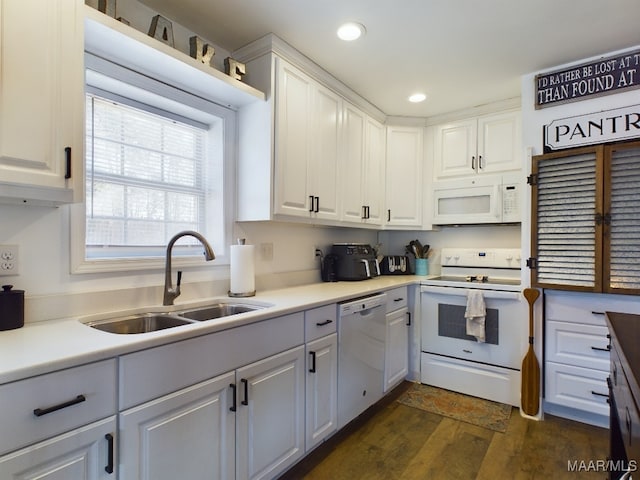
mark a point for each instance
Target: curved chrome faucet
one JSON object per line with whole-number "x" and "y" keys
{"x": 171, "y": 293}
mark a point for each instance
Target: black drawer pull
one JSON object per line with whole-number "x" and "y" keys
{"x": 408, "y": 324}
{"x": 322, "y": 324}
{"x": 234, "y": 397}
{"x": 67, "y": 157}
{"x": 109, "y": 467}
{"x": 398, "y": 299}
{"x": 313, "y": 362}
{"x": 596, "y": 313}
{"x": 600, "y": 349}
{"x": 597, "y": 394}
{"x": 38, "y": 412}
{"x": 245, "y": 382}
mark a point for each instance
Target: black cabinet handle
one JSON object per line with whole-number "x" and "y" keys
{"x": 234, "y": 397}
{"x": 408, "y": 319}
{"x": 322, "y": 324}
{"x": 109, "y": 467}
{"x": 245, "y": 382}
{"x": 317, "y": 209}
{"x": 67, "y": 157}
{"x": 480, "y": 162}
{"x": 597, "y": 313}
{"x": 368, "y": 214}
{"x": 388, "y": 215}
{"x": 600, "y": 349}
{"x": 598, "y": 394}
{"x": 473, "y": 162}
{"x": 38, "y": 412}
{"x": 313, "y": 362}
{"x": 311, "y": 197}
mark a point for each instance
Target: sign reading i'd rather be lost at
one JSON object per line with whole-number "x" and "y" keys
{"x": 593, "y": 128}
{"x": 600, "y": 77}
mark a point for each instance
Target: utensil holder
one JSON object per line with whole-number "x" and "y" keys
{"x": 422, "y": 266}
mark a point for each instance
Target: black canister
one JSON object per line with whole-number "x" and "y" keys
{"x": 11, "y": 308}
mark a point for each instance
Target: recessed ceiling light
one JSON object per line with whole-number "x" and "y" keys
{"x": 417, "y": 98}
{"x": 351, "y": 31}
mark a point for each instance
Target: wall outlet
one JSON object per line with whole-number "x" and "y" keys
{"x": 9, "y": 260}
{"x": 266, "y": 252}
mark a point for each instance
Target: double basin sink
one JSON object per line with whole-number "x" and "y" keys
{"x": 152, "y": 322}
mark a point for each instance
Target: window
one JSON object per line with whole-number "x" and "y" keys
{"x": 156, "y": 161}
{"x": 585, "y": 222}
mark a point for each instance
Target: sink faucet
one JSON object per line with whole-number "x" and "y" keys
{"x": 171, "y": 293}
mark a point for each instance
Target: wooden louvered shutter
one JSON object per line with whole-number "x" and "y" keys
{"x": 622, "y": 226}
{"x": 566, "y": 238}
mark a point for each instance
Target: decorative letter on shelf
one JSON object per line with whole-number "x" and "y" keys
{"x": 162, "y": 30}
{"x": 200, "y": 50}
{"x": 234, "y": 69}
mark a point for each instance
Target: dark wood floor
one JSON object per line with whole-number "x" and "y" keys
{"x": 392, "y": 441}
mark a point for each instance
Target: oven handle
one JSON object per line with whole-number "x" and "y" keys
{"x": 462, "y": 292}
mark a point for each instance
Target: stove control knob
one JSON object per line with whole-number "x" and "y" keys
{"x": 447, "y": 258}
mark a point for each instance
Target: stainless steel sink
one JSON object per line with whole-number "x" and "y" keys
{"x": 218, "y": 310}
{"x": 142, "y": 323}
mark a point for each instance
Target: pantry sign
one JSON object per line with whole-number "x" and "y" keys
{"x": 600, "y": 77}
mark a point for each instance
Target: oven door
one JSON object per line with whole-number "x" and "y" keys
{"x": 444, "y": 326}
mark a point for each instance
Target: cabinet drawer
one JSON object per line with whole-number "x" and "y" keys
{"x": 575, "y": 387}
{"x": 319, "y": 322}
{"x": 584, "y": 346}
{"x": 41, "y": 407}
{"x": 161, "y": 370}
{"x": 587, "y": 308}
{"x": 396, "y": 299}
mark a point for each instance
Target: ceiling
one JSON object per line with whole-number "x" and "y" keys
{"x": 461, "y": 53}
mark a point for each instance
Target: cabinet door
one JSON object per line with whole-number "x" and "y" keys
{"x": 82, "y": 454}
{"x": 455, "y": 149}
{"x": 499, "y": 143}
{"x": 292, "y": 141}
{"x": 374, "y": 182}
{"x": 41, "y": 93}
{"x": 353, "y": 165}
{"x": 270, "y": 416}
{"x": 324, "y": 156}
{"x": 322, "y": 389}
{"x": 404, "y": 176}
{"x": 186, "y": 434}
{"x": 396, "y": 350}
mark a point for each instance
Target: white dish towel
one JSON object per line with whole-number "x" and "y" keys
{"x": 475, "y": 315}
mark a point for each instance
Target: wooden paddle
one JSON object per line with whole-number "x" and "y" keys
{"x": 530, "y": 388}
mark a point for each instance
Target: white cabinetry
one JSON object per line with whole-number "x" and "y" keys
{"x": 396, "y": 349}
{"x": 362, "y": 167}
{"x": 403, "y": 176}
{"x": 486, "y": 144}
{"x": 41, "y": 101}
{"x": 61, "y": 425}
{"x": 245, "y": 383}
{"x": 577, "y": 353}
{"x": 307, "y": 122}
{"x": 321, "y": 374}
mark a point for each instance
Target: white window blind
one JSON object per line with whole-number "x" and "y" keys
{"x": 566, "y": 208}
{"x": 145, "y": 179}
{"x": 625, "y": 219}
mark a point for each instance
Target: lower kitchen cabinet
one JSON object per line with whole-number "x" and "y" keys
{"x": 186, "y": 434}
{"x": 270, "y": 415}
{"x": 321, "y": 389}
{"x": 86, "y": 453}
{"x": 396, "y": 349}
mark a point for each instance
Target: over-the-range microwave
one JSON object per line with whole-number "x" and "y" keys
{"x": 481, "y": 199}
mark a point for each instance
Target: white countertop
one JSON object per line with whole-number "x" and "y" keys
{"x": 43, "y": 347}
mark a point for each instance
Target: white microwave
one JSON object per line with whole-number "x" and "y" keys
{"x": 482, "y": 199}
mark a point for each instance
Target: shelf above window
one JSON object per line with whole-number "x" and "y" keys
{"x": 122, "y": 44}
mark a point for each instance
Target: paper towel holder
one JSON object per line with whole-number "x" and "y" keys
{"x": 241, "y": 241}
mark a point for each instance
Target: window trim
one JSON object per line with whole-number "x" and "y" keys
{"x": 101, "y": 73}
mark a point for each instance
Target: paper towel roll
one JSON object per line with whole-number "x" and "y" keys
{"x": 243, "y": 282}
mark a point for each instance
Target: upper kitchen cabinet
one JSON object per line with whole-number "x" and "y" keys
{"x": 585, "y": 221}
{"x": 484, "y": 144}
{"x": 293, "y": 147}
{"x": 403, "y": 177}
{"x": 41, "y": 101}
{"x": 362, "y": 167}
{"x": 307, "y": 123}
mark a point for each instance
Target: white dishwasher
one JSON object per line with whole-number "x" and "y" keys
{"x": 361, "y": 340}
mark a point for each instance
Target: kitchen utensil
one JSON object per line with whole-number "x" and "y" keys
{"x": 419, "y": 247}
{"x": 530, "y": 387}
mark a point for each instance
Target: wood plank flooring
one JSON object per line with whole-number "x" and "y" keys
{"x": 392, "y": 441}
